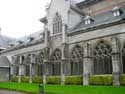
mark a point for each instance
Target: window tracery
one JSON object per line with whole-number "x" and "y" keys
{"x": 77, "y": 61}
{"x": 102, "y": 58}
{"x": 56, "y": 62}
{"x": 57, "y": 24}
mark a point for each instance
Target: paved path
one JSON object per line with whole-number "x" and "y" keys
{"x": 10, "y": 92}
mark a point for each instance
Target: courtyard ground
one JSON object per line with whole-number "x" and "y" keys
{"x": 63, "y": 89}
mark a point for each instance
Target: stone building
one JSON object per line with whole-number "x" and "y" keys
{"x": 79, "y": 39}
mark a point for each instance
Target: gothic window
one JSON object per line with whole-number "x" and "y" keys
{"x": 28, "y": 59}
{"x": 56, "y": 62}
{"x": 77, "y": 61}
{"x": 57, "y": 24}
{"x": 102, "y": 58}
{"x": 123, "y": 58}
{"x": 39, "y": 60}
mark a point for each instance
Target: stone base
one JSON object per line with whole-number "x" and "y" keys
{"x": 85, "y": 79}
{"x": 115, "y": 78}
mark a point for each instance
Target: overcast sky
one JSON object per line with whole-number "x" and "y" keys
{"x": 21, "y": 17}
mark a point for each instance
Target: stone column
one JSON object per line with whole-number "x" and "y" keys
{"x": 115, "y": 61}
{"x": 87, "y": 64}
{"x": 30, "y": 79}
{"x": 62, "y": 71}
{"x": 44, "y": 73}
{"x": 64, "y": 35}
{"x": 19, "y": 72}
{"x": 30, "y": 72}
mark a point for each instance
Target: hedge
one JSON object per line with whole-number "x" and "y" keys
{"x": 100, "y": 80}
{"x": 73, "y": 80}
{"x": 14, "y": 79}
{"x": 53, "y": 80}
{"x": 122, "y": 79}
{"x": 37, "y": 79}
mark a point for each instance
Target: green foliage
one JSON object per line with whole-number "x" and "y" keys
{"x": 100, "y": 80}
{"x": 122, "y": 79}
{"x": 14, "y": 78}
{"x": 53, "y": 80}
{"x": 25, "y": 79}
{"x": 73, "y": 80}
{"x": 37, "y": 79}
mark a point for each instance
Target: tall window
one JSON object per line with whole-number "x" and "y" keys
{"x": 56, "y": 62}
{"x": 39, "y": 60}
{"x": 77, "y": 61}
{"x": 123, "y": 58}
{"x": 102, "y": 58}
{"x": 57, "y": 24}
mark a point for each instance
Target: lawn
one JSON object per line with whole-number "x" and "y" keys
{"x": 79, "y": 89}
{"x": 64, "y": 89}
{"x": 26, "y": 87}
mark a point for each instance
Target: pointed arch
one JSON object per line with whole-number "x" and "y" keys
{"x": 77, "y": 60}
{"x": 39, "y": 58}
{"x": 57, "y": 24}
{"x": 56, "y": 62}
{"x": 102, "y": 58}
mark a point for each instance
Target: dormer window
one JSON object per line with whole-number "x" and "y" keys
{"x": 57, "y": 24}
{"x": 116, "y": 11}
{"x": 88, "y": 20}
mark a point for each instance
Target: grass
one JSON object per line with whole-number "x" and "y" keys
{"x": 79, "y": 89}
{"x": 25, "y": 87}
{"x": 64, "y": 89}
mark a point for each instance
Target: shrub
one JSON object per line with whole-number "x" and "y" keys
{"x": 100, "y": 80}
{"x": 14, "y": 78}
{"x": 73, "y": 80}
{"x": 122, "y": 79}
{"x": 37, "y": 79}
{"x": 25, "y": 79}
{"x": 53, "y": 80}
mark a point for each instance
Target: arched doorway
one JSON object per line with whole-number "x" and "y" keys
{"x": 77, "y": 60}
{"x": 102, "y": 58}
{"x": 56, "y": 62}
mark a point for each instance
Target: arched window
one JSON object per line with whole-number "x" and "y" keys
{"x": 39, "y": 60}
{"x": 56, "y": 62}
{"x": 123, "y": 58}
{"x": 28, "y": 59}
{"x": 102, "y": 58}
{"x": 57, "y": 24}
{"x": 77, "y": 61}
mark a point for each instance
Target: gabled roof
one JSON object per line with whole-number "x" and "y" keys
{"x": 100, "y": 20}
{"x": 86, "y": 3}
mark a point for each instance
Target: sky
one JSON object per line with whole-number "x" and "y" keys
{"x": 21, "y": 17}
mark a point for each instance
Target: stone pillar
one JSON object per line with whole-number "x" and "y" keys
{"x": 30, "y": 72}
{"x": 62, "y": 72}
{"x": 115, "y": 61}
{"x": 31, "y": 66}
{"x": 64, "y": 35}
{"x": 19, "y": 72}
{"x": 44, "y": 73}
{"x": 87, "y": 64}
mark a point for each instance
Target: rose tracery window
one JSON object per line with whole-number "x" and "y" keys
{"x": 57, "y": 24}
{"x": 56, "y": 62}
{"x": 102, "y": 58}
{"x": 77, "y": 61}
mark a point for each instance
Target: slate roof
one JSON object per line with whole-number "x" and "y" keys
{"x": 98, "y": 20}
